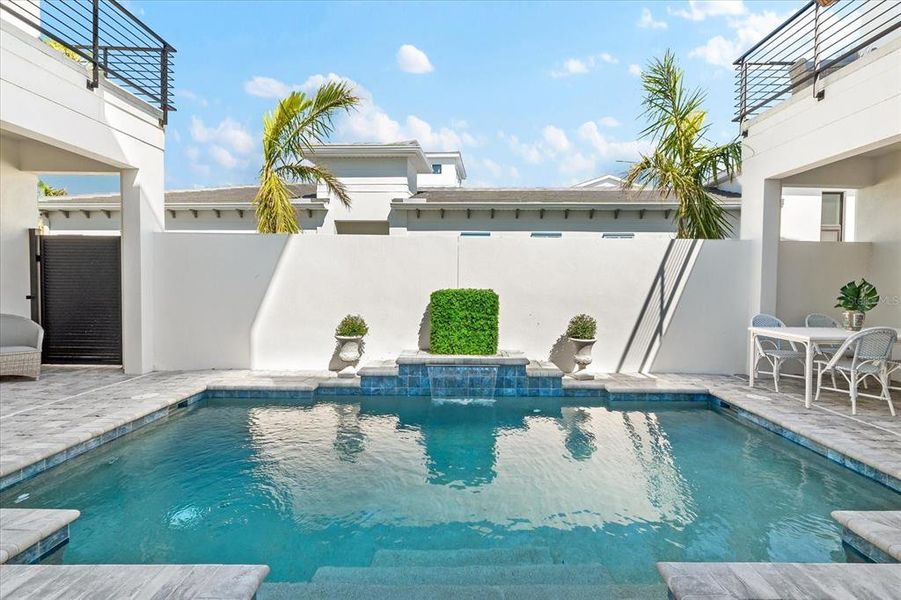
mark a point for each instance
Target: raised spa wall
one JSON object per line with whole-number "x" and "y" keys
{"x": 515, "y": 375}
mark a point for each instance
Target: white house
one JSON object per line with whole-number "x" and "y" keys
{"x": 402, "y": 190}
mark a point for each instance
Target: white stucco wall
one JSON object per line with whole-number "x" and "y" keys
{"x": 18, "y": 214}
{"x": 272, "y": 302}
{"x": 858, "y": 114}
{"x": 879, "y": 222}
{"x": 65, "y": 127}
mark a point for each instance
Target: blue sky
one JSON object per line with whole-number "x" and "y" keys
{"x": 534, "y": 94}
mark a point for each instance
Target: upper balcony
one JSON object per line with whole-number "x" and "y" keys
{"x": 108, "y": 40}
{"x": 813, "y": 43}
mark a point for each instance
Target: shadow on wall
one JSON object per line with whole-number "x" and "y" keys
{"x": 659, "y": 306}
{"x": 336, "y": 363}
{"x": 563, "y": 354}
{"x": 425, "y": 328}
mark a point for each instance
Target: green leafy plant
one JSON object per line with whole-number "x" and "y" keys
{"x": 858, "y": 296}
{"x": 48, "y": 190}
{"x": 464, "y": 321}
{"x": 289, "y": 133}
{"x": 352, "y": 326}
{"x": 582, "y": 327}
{"x": 683, "y": 161}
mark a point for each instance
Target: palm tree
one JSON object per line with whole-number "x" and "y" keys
{"x": 682, "y": 163}
{"x": 48, "y": 190}
{"x": 289, "y": 133}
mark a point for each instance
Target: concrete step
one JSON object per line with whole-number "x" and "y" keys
{"x": 525, "y": 555}
{"x": 352, "y": 591}
{"x": 587, "y": 574}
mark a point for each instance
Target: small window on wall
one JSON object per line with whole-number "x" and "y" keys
{"x": 436, "y": 169}
{"x": 832, "y": 213}
{"x": 475, "y": 234}
{"x": 546, "y": 234}
{"x": 617, "y": 236}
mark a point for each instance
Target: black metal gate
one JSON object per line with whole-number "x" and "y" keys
{"x": 78, "y": 299}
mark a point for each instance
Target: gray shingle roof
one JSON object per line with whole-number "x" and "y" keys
{"x": 553, "y": 195}
{"x": 225, "y": 195}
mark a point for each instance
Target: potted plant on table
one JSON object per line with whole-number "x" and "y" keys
{"x": 581, "y": 332}
{"x": 857, "y": 298}
{"x": 349, "y": 334}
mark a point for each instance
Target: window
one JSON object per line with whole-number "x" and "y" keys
{"x": 610, "y": 235}
{"x": 546, "y": 234}
{"x": 436, "y": 169}
{"x": 832, "y": 209}
{"x": 475, "y": 234}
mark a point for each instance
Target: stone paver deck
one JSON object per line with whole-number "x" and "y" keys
{"x": 874, "y": 533}
{"x": 135, "y": 582}
{"x": 780, "y": 581}
{"x": 41, "y": 425}
{"x": 32, "y": 531}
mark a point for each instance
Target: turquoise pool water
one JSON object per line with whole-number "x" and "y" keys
{"x": 302, "y": 484}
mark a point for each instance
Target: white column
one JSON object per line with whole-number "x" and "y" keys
{"x": 760, "y": 220}
{"x": 143, "y": 214}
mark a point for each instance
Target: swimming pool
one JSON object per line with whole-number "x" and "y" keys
{"x": 299, "y": 484}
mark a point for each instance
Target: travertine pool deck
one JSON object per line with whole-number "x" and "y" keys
{"x": 781, "y": 581}
{"x": 70, "y": 410}
{"x": 135, "y": 582}
{"x": 874, "y": 533}
{"x": 27, "y": 534}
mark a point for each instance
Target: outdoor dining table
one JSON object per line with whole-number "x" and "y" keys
{"x": 809, "y": 337}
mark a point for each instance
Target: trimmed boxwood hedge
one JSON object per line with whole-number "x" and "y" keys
{"x": 464, "y": 321}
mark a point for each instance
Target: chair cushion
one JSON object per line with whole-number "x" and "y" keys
{"x": 17, "y": 349}
{"x": 845, "y": 365}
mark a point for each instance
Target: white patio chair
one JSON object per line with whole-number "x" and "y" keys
{"x": 825, "y": 350}
{"x": 864, "y": 354}
{"x": 772, "y": 350}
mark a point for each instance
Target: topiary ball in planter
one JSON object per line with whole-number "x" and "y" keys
{"x": 464, "y": 321}
{"x": 349, "y": 334}
{"x": 581, "y": 332}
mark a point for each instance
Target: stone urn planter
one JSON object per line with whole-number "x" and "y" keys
{"x": 853, "y": 319}
{"x": 349, "y": 336}
{"x": 582, "y": 356}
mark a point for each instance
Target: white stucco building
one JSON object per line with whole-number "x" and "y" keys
{"x": 399, "y": 189}
{"x": 61, "y": 114}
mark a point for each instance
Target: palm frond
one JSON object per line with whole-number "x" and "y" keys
{"x": 682, "y": 163}
{"x": 289, "y": 132}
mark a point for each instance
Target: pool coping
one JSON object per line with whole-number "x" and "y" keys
{"x": 876, "y": 534}
{"x": 746, "y": 581}
{"x": 28, "y": 535}
{"x": 729, "y": 400}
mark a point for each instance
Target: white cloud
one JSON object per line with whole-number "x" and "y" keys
{"x": 635, "y": 70}
{"x": 698, "y": 10}
{"x": 223, "y": 157}
{"x": 582, "y": 66}
{"x": 608, "y": 58}
{"x": 228, "y": 133}
{"x": 556, "y": 138}
{"x": 747, "y": 30}
{"x": 608, "y": 122}
{"x": 647, "y": 20}
{"x": 193, "y": 97}
{"x": 531, "y": 153}
{"x": 610, "y": 149}
{"x": 267, "y": 87}
{"x": 411, "y": 59}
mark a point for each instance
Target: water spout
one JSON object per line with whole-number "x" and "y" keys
{"x": 463, "y": 384}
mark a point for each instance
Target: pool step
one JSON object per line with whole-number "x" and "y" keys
{"x": 525, "y": 555}
{"x": 542, "y": 574}
{"x": 352, "y": 591}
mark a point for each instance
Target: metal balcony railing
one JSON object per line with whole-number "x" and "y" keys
{"x": 814, "y": 42}
{"x": 107, "y": 39}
